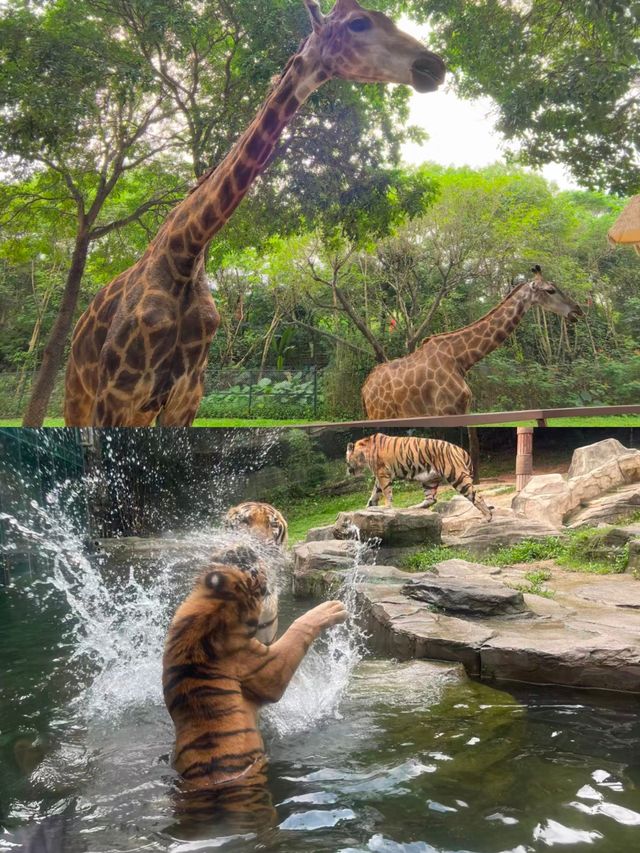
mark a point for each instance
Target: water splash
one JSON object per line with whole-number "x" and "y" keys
{"x": 320, "y": 683}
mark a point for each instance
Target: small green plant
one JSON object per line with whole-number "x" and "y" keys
{"x": 535, "y": 584}
{"x": 425, "y": 560}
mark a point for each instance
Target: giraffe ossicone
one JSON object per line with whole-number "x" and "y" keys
{"x": 139, "y": 351}
{"x": 431, "y": 380}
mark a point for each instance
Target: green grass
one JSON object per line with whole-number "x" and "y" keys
{"x": 581, "y": 551}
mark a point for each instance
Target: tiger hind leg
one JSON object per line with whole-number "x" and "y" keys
{"x": 430, "y": 481}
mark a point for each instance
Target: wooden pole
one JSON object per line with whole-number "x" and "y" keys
{"x": 524, "y": 457}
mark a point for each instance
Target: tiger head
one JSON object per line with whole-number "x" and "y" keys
{"x": 358, "y": 455}
{"x": 236, "y": 583}
{"x": 260, "y": 519}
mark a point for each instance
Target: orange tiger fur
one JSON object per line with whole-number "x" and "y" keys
{"x": 425, "y": 460}
{"x": 216, "y": 676}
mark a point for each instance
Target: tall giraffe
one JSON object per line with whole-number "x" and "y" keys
{"x": 140, "y": 350}
{"x": 431, "y": 380}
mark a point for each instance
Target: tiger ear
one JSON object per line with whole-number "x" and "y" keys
{"x": 350, "y": 447}
{"x": 215, "y": 581}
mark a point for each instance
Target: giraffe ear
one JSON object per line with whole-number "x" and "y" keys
{"x": 317, "y": 18}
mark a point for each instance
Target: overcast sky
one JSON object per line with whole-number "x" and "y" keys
{"x": 461, "y": 132}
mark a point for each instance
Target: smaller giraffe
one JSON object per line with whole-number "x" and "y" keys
{"x": 431, "y": 380}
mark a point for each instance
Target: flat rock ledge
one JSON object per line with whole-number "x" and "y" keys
{"x": 479, "y": 597}
{"x": 587, "y": 636}
{"x": 503, "y": 530}
{"x": 390, "y": 526}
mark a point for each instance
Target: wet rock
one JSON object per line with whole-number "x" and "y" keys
{"x": 479, "y": 597}
{"x": 608, "y": 508}
{"x": 406, "y": 629}
{"x": 415, "y": 681}
{"x": 587, "y": 636}
{"x": 320, "y": 566}
{"x": 320, "y": 534}
{"x": 504, "y": 530}
{"x": 391, "y": 526}
{"x": 456, "y": 568}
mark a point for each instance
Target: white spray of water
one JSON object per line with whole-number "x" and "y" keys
{"x": 319, "y": 684}
{"x": 117, "y": 616}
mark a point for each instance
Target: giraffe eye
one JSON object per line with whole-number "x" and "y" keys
{"x": 359, "y": 25}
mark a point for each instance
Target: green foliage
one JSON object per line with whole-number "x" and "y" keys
{"x": 563, "y": 76}
{"x": 528, "y": 551}
{"x": 290, "y": 396}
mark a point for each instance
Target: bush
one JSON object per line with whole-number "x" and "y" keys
{"x": 285, "y": 395}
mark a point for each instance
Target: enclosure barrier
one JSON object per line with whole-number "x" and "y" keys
{"x": 517, "y": 418}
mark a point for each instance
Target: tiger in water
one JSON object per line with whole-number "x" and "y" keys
{"x": 266, "y": 523}
{"x": 216, "y": 676}
{"x": 425, "y": 460}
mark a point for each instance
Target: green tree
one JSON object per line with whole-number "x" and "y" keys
{"x": 564, "y": 75}
{"x": 78, "y": 113}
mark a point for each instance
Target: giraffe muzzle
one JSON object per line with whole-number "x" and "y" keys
{"x": 575, "y": 314}
{"x": 427, "y": 72}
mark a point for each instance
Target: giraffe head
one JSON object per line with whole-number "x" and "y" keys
{"x": 365, "y": 46}
{"x": 551, "y": 298}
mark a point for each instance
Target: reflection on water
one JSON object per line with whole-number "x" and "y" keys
{"x": 365, "y": 755}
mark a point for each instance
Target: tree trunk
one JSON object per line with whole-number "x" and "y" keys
{"x": 474, "y": 452}
{"x": 54, "y": 349}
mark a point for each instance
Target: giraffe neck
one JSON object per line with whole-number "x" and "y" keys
{"x": 474, "y": 342}
{"x": 192, "y": 223}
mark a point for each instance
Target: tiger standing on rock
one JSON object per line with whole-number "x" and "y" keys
{"x": 264, "y": 522}
{"x": 425, "y": 460}
{"x": 216, "y": 676}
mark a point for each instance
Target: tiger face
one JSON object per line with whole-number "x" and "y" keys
{"x": 357, "y": 456}
{"x": 260, "y": 519}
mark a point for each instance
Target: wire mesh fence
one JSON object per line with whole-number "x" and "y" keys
{"x": 229, "y": 393}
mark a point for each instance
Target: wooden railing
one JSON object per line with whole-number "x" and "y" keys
{"x": 520, "y": 417}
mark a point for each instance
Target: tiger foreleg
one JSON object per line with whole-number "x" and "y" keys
{"x": 269, "y": 669}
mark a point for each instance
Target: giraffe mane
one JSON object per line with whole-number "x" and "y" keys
{"x": 483, "y": 317}
{"x": 275, "y": 80}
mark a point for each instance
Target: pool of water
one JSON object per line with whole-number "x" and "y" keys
{"x": 365, "y": 755}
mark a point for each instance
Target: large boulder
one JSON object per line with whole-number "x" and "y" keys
{"x": 475, "y": 597}
{"x": 503, "y": 530}
{"x": 320, "y": 534}
{"x": 320, "y": 566}
{"x": 545, "y": 498}
{"x": 633, "y": 566}
{"x": 596, "y": 470}
{"x": 394, "y": 527}
{"x": 608, "y": 453}
{"x": 607, "y": 509}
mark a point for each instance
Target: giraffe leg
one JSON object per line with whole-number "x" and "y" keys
{"x": 184, "y": 400}
{"x": 78, "y": 402}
